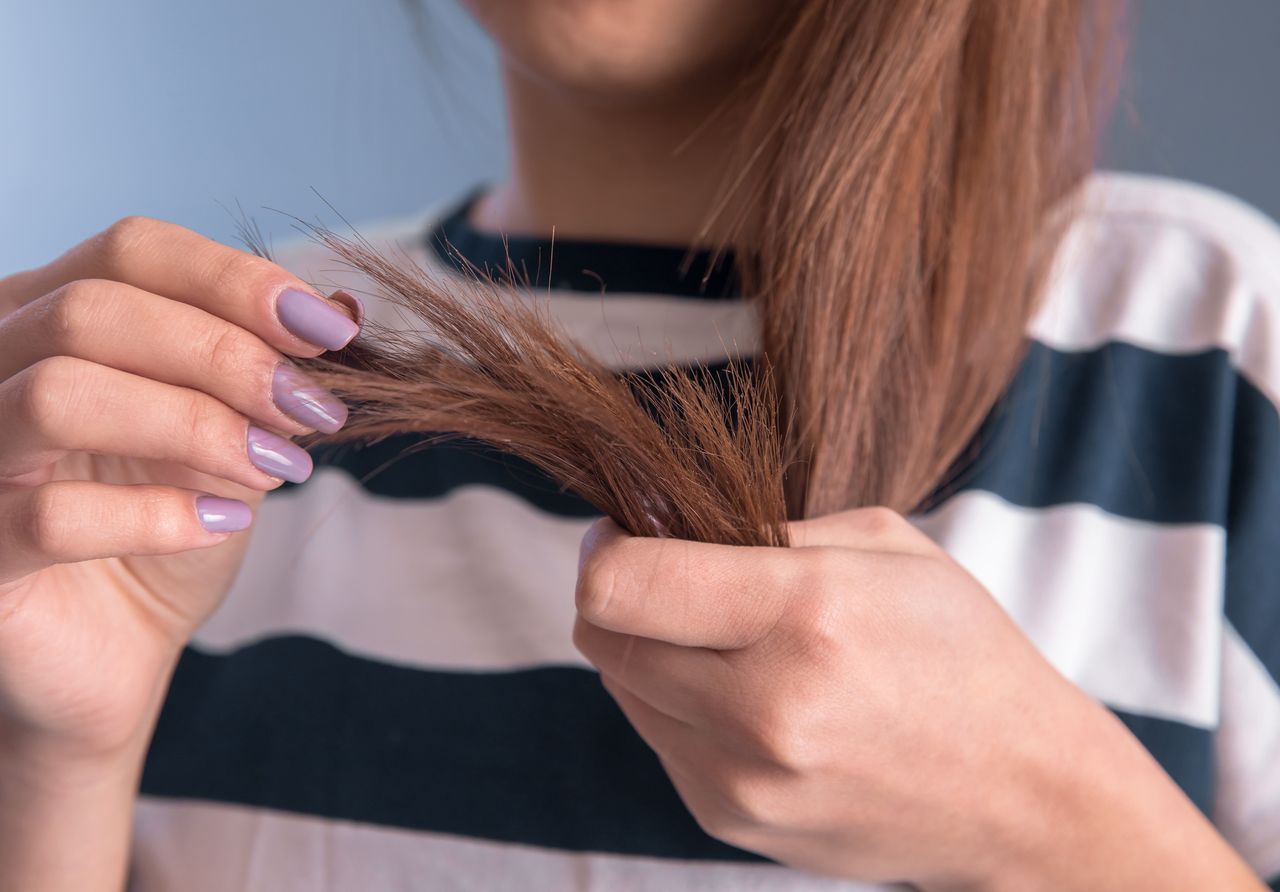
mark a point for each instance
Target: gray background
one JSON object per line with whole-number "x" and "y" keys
{"x": 178, "y": 110}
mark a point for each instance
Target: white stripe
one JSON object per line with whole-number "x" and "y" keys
{"x": 480, "y": 579}
{"x": 1129, "y": 611}
{"x": 1247, "y": 799}
{"x": 1166, "y": 265}
{"x": 1171, "y": 267}
{"x": 623, "y": 330}
{"x": 628, "y": 331}
{"x": 201, "y": 847}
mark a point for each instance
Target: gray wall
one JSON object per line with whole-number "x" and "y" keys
{"x": 1203, "y": 96}
{"x": 176, "y": 109}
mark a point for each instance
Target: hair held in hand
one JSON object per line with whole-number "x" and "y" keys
{"x": 663, "y": 455}
{"x": 904, "y": 173}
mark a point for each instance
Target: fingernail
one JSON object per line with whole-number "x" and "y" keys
{"x": 277, "y": 456}
{"x": 313, "y": 320}
{"x": 305, "y": 401}
{"x": 223, "y": 515}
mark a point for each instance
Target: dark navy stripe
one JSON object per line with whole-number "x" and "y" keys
{"x": 1154, "y": 437}
{"x": 1142, "y": 435}
{"x": 593, "y": 267}
{"x": 1253, "y": 528}
{"x": 1163, "y": 438}
{"x": 541, "y": 756}
{"x": 400, "y": 467}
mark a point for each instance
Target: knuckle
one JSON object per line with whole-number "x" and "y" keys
{"x": 234, "y": 272}
{"x": 73, "y": 310}
{"x": 121, "y": 240}
{"x": 820, "y": 627}
{"x": 819, "y": 567}
{"x": 195, "y": 417}
{"x": 817, "y": 584}
{"x": 785, "y": 740}
{"x": 49, "y": 391}
{"x": 225, "y": 350}
{"x": 748, "y": 801}
{"x": 156, "y": 515}
{"x": 878, "y": 520}
{"x": 823, "y": 572}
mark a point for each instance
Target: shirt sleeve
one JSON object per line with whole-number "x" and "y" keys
{"x": 1247, "y": 795}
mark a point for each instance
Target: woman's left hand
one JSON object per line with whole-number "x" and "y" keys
{"x": 860, "y": 706}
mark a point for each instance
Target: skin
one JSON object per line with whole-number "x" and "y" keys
{"x": 859, "y": 706}
{"x": 130, "y": 369}
{"x": 621, "y": 113}
{"x": 724, "y": 659}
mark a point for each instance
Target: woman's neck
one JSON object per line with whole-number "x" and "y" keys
{"x": 612, "y": 171}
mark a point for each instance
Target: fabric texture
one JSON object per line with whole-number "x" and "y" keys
{"x": 389, "y": 698}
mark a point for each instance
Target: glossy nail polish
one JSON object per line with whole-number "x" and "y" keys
{"x": 277, "y": 456}
{"x": 313, "y": 320}
{"x": 218, "y": 515}
{"x": 304, "y": 401}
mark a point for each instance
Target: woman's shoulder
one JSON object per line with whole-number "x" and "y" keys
{"x": 1150, "y": 209}
{"x": 1169, "y": 266}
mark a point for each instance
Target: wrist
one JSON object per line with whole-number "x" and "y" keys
{"x": 65, "y": 817}
{"x": 49, "y": 767}
{"x": 59, "y": 729}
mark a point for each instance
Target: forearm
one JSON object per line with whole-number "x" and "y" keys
{"x": 65, "y": 824}
{"x": 1110, "y": 818}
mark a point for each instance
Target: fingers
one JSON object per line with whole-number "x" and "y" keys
{"x": 71, "y": 520}
{"x": 687, "y": 593}
{"x": 727, "y": 597}
{"x": 670, "y": 677}
{"x": 132, "y": 330}
{"x": 659, "y": 729}
{"x": 64, "y": 404}
{"x": 173, "y": 262}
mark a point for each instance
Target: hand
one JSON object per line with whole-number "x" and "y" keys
{"x": 860, "y": 706}
{"x": 131, "y": 371}
{"x": 146, "y": 406}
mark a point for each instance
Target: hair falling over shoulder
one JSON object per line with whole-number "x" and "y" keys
{"x": 906, "y": 166}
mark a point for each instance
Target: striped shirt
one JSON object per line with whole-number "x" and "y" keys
{"x": 390, "y": 699}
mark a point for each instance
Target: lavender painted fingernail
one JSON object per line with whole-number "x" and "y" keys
{"x": 313, "y": 320}
{"x": 277, "y": 456}
{"x": 223, "y": 515}
{"x": 305, "y": 401}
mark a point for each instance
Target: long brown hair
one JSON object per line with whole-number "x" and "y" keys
{"x": 906, "y": 156}
{"x": 908, "y": 167}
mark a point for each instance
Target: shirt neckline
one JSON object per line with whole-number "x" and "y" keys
{"x": 581, "y": 265}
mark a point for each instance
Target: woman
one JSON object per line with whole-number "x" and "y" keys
{"x": 1061, "y": 674}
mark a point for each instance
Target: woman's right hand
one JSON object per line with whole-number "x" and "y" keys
{"x": 146, "y": 403}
